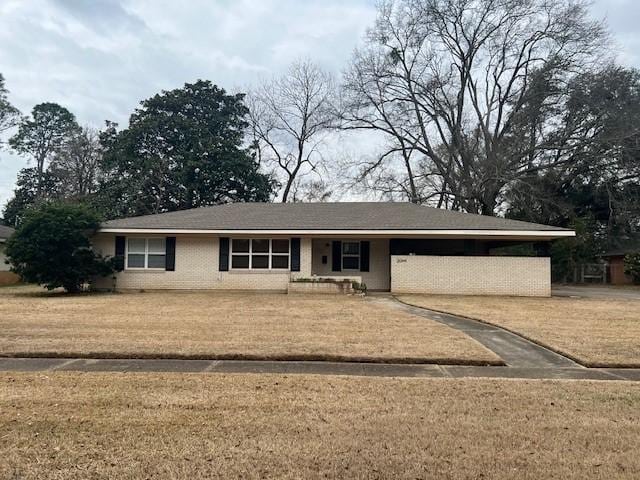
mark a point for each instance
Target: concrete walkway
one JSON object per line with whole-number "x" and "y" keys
{"x": 515, "y": 350}
{"x": 309, "y": 368}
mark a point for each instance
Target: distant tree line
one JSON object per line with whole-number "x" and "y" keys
{"x": 497, "y": 108}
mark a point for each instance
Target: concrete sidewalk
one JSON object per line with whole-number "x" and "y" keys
{"x": 604, "y": 292}
{"x": 310, "y": 368}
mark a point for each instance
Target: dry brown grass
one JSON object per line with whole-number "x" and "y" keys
{"x": 72, "y": 426}
{"x": 596, "y": 332}
{"x": 224, "y": 325}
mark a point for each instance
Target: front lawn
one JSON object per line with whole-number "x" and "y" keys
{"x": 131, "y": 426}
{"x": 596, "y": 332}
{"x": 224, "y": 325}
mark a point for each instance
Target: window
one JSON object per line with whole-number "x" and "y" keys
{"x": 280, "y": 254}
{"x": 147, "y": 253}
{"x": 351, "y": 255}
{"x": 240, "y": 247}
{"x": 259, "y": 254}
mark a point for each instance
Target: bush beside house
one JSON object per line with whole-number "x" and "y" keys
{"x": 632, "y": 266}
{"x": 51, "y": 247}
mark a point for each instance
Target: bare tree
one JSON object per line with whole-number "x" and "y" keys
{"x": 9, "y": 115}
{"x": 290, "y": 116}
{"x": 468, "y": 89}
{"x": 310, "y": 191}
{"x": 77, "y": 163}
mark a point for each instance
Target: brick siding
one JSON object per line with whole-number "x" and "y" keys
{"x": 197, "y": 268}
{"x": 518, "y": 276}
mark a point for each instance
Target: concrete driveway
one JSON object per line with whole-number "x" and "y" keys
{"x": 596, "y": 291}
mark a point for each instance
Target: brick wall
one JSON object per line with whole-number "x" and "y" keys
{"x": 197, "y": 268}
{"x": 518, "y": 276}
{"x": 616, "y": 272}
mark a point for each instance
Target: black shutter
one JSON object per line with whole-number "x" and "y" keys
{"x": 224, "y": 255}
{"x": 120, "y": 248}
{"x": 295, "y": 254}
{"x": 365, "y": 248}
{"x": 170, "y": 256}
{"x": 336, "y": 256}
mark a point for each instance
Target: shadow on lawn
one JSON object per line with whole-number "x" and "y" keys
{"x": 36, "y": 291}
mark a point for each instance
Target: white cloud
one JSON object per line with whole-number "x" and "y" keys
{"x": 100, "y": 58}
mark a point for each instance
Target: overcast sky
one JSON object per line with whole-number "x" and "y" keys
{"x": 99, "y": 58}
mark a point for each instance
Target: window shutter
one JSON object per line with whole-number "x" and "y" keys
{"x": 170, "y": 254}
{"x": 224, "y": 255}
{"x": 336, "y": 256}
{"x": 120, "y": 249}
{"x": 365, "y": 247}
{"x": 295, "y": 254}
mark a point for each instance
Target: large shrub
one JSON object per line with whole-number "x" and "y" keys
{"x": 632, "y": 266}
{"x": 51, "y": 247}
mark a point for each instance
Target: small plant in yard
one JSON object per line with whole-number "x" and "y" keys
{"x": 356, "y": 286}
{"x": 359, "y": 287}
{"x": 319, "y": 280}
{"x": 51, "y": 247}
{"x": 632, "y": 266}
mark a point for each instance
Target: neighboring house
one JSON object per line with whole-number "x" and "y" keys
{"x": 397, "y": 247}
{"x": 6, "y": 277}
{"x": 615, "y": 262}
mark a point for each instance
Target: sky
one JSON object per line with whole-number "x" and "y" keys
{"x": 100, "y": 58}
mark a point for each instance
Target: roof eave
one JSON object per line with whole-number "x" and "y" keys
{"x": 430, "y": 233}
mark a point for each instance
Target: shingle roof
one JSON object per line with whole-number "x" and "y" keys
{"x": 5, "y": 232}
{"x": 322, "y": 216}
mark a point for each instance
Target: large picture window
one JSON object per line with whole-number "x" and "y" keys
{"x": 146, "y": 253}
{"x": 351, "y": 255}
{"x": 259, "y": 254}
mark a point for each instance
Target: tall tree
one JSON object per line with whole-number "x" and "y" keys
{"x": 446, "y": 80}
{"x": 77, "y": 163}
{"x": 9, "y": 115}
{"x": 183, "y": 149}
{"x": 289, "y": 116}
{"x": 310, "y": 192}
{"x": 31, "y": 190}
{"x": 72, "y": 175}
{"x": 42, "y": 135}
{"x": 594, "y": 185}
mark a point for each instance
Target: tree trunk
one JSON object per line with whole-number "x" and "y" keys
{"x": 287, "y": 188}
